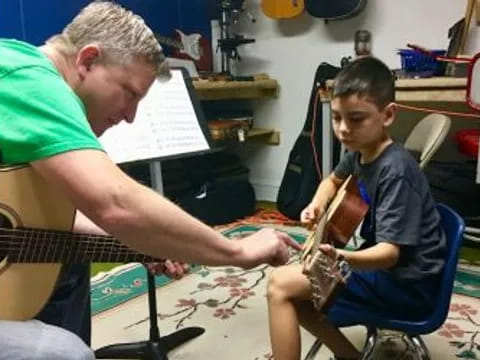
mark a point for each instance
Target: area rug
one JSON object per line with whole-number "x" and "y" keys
{"x": 230, "y": 304}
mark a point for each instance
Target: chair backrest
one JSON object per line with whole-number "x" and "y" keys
{"x": 427, "y": 136}
{"x": 454, "y": 227}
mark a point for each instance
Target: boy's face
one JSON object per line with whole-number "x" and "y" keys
{"x": 358, "y": 123}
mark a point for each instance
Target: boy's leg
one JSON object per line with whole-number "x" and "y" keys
{"x": 286, "y": 285}
{"x": 325, "y": 331}
{"x": 34, "y": 340}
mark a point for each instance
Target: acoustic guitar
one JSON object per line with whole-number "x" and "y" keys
{"x": 334, "y": 10}
{"x": 35, "y": 240}
{"x": 343, "y": 215}
{"x": 282, "y": 9}
{"x": 328, "y": 274}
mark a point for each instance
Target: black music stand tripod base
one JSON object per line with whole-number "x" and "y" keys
{"x": 157, "y": 347}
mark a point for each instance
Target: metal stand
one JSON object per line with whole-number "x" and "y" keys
{"x": 230, "y": 12}
{"x": 157, "y": 347}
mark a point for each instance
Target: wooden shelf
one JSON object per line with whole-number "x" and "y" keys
{"x": 266, "y": 136}
{"x": 258, "y": 135}
{"x": 224, "y": 90}
{"x": 436, "y": 89}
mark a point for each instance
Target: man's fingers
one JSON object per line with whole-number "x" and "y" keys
{"x": 288, "y": 240}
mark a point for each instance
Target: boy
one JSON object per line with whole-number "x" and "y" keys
{"x": 399, "y": 264}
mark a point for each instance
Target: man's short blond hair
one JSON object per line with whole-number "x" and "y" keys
{"x": 122, "y": 35}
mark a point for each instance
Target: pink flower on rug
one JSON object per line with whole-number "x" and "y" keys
{"x": 242, "y": 293}
{"x": 186, "y": 303}
{"x": 137, "y": 282}
{"x": 224, "y": 313}
{"x": 463, "y": 309}
{"x": 450, "y": 330}
{"x": 230, "y": 280}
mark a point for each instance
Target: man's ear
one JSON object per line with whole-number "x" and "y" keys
{"x": 86, "y": 58}
{"x": 389, "y": 111}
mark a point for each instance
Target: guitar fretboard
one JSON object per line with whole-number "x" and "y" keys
{"x": 28, "y": 245}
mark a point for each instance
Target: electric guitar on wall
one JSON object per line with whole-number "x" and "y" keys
{"x": 192, "y": 46}
{"x": 334, "y": 10}
{"x": 31, "y": 253}
{"x": 282, "y": 9}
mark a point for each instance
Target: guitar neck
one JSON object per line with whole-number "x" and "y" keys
{"x": 170, "y": 42}
{"x": 28, "y": 245}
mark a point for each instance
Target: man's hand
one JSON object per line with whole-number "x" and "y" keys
{"x": 266, "y": 246}
{"x": 172, "y": 269}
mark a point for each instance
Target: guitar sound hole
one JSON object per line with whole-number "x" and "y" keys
{"x": 5, "y": 222}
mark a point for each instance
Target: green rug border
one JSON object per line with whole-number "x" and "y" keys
{"x": 133, "y": 281}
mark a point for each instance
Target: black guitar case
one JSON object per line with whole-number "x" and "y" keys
{"x": 301, "y": 177}
{"x": 334, "y": 9}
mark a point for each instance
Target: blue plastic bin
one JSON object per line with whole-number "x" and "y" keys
{"x": 416, "y": 62}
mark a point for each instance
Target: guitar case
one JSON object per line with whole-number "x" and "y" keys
{"x": 301, "y": 178}
{"x": 334, "y": 10}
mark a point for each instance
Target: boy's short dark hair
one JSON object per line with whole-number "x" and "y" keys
{"x": 366, "y": 77}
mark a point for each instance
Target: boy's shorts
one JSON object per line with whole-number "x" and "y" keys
{"x": 370, "y": 294}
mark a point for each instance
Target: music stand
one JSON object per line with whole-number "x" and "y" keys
{"x": 152, "y": 140}
{"x": 157, "y": 347}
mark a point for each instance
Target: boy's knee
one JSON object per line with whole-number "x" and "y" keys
{"x": 276, "y": 284}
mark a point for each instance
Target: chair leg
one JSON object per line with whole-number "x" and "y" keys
{"x": 420, "y": 348}
{"x": 313, "y": 350}
{"x": 370, "y": 342}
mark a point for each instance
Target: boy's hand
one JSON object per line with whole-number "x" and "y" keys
{"x": 172, "y": 269}
{"x": 329, "y": 250}
{"x": 311, "y": 214}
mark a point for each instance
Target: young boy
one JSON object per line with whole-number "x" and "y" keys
{"x": 396, "y": 270}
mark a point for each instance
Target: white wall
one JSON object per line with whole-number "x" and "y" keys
{"x": 290, "y": 51}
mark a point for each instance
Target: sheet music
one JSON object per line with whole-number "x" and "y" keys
{"x": 165, "y": 124}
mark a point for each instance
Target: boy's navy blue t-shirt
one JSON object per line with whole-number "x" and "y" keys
{"x": 402, "y": 212}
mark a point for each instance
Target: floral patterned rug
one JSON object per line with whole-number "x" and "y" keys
{"x": 230, "y": 304}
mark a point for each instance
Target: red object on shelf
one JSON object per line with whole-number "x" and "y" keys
{"x": 467, "y": 141}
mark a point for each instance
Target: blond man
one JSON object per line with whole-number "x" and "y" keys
{"x": 55, "y": 101}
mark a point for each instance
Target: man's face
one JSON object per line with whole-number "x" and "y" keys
{"x": 358, "y": 123}
{"x": 111, "y": 93}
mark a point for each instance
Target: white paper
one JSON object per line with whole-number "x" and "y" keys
{"x": 165, "y": 124}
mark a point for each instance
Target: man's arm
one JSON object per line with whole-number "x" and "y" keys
{"x": 144, "y": 220}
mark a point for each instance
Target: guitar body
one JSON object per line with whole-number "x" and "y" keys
{"x": 29, "y": 285}
{"x": 282, "y": 9}
{"x": 344, "y": 214}
{"x": 194, "y": 47}
{"x": 334, "y": 10}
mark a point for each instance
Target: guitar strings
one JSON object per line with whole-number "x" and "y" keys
{"x": 21, "y": 239}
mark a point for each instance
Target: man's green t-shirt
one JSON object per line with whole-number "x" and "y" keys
{"x": 40, "y": 115}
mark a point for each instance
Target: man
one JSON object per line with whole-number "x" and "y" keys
{"x": 54, "y": 102}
